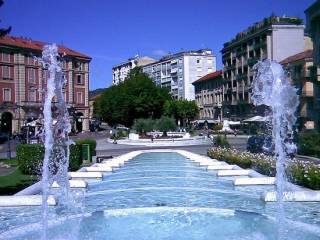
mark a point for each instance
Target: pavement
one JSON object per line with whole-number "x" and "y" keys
{"x": 105, "y": 148}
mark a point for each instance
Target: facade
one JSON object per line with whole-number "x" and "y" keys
{"x": 313, "y": 28}
{"x": 300, "y": 67}
{"x": 177, "y": 72}
{"x": 122, "y": 70}
{"x": 23, "y": 80}
{"x": 274, "y": 38}
{"x": 209, "y": 96}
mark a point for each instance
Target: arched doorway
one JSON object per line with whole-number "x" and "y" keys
{"x": 6, "y": 122}
{"x": 79, "y": 121}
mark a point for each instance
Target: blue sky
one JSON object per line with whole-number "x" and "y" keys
{"x": 111, "y": 31}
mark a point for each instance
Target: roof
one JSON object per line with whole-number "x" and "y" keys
{"x": 209, "y": 76}
{"x": 28, "y": 43}
{"x": 297, "y": 57}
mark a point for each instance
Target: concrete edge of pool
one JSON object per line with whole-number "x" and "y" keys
{"x": 31, "y": 196}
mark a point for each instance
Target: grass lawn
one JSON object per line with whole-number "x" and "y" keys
{"x": 14, "y": 182}
{"x": 12, "y": 162}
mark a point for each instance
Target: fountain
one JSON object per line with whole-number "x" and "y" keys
{"x": 272, "y": 87}
{"x": 56, "y": 159}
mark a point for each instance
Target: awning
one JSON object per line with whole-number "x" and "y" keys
{"x": 256, "y": 119}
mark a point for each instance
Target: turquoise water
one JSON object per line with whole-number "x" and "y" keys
{"x": 164, "y": 196}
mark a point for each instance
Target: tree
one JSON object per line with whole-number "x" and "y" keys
{"x": 137, "y": 97}
{"x": 4, "y": 31}
{"x": 182, "y": 110}
{"x": 165, "y": 124}
{"x": 143, "y": 125}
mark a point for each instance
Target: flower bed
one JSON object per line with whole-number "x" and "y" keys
{"x": 305, "y": 174}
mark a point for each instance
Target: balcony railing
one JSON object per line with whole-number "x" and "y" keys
{"x": 307, "y": 93}
{"x": 252, "y": 61}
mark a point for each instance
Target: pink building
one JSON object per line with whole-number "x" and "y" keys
{"x": 23, "y": 80}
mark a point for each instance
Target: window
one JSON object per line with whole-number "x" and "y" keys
{"x": 5, "y": 72}
{"x": 6, "y": 95}
{"x": 198, "y": 60}
{"x": 32, "y": 95}
{"x": 31, "y": 75}
{"x": 5, "y": 57}
{"x": 79, "y": 66}
{"x": 79, "y": 79}
{"x": 79, "y": 97}
{"x": 210, "y": 61}
{"x": 31, "y": 60}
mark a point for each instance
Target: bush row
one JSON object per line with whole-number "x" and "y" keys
{"x": 30, "y": 156}
{"x": 305, "y": 174}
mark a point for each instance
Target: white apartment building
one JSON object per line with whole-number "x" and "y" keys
{"x": 122, "y": 70}
{"x": 177, "y": 72}
{"x": 274, "y": 38}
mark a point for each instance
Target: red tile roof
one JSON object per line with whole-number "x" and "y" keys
{"x": 297, "y": 57}
{"x": 209, "y": 76}
{"x": 28, "y": 43}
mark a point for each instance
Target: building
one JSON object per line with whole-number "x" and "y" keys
{"x": 209, "y": 96}
{"x": 122, "y": 70}
{"x": 300, "y": 67}
{"x": 274, "y": 38}
{"x": 313, "y": 28}
{"x": 177, "y": 72}
{"x": 23, "y": 80}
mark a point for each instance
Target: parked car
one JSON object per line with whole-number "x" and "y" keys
{"x": 260, "y": 144}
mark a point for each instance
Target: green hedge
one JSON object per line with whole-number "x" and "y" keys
{"x": 92, "y": 143}
{"x": 309, "y": 143}
{"x": 30, "y": 158}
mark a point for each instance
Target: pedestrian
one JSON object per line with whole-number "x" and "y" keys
{"x": 151, "y": 137}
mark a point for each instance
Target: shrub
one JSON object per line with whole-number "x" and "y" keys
{"x": 308, "y": 143}
{"x": 217, "y": 127}
{"x": 306, "y": 174}
{"x": 221, "y": 141}
{"x": 30, "y": 158}
{"x": 92, "y": 143}
{"x": 143, "y": 125}
{"x": 165, "y": 124}
{"x": 75, "y": 159}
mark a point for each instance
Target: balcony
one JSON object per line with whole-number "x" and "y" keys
{"x": 252, "y": 61}
{"x": 307, "y": 93}
{"x": 174, "y": 70}
{"x": 241, "y": 77}
{"x": 259, "y": 45}
{"x": 306, "y": 113}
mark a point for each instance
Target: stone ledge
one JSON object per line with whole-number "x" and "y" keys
{"x": 293, "y": 196}
{"x": 221, "y": 167}
{"x": 254, "y": 181}
{"x": 25, "y": 200}
{"x": 99, "y": 169}
{"x": 72, "y": 184}
{"x": 236, "y": 172}
{"x": 85, "y": 174}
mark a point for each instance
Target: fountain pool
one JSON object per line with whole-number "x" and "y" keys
{"x": 164, "y": 195}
